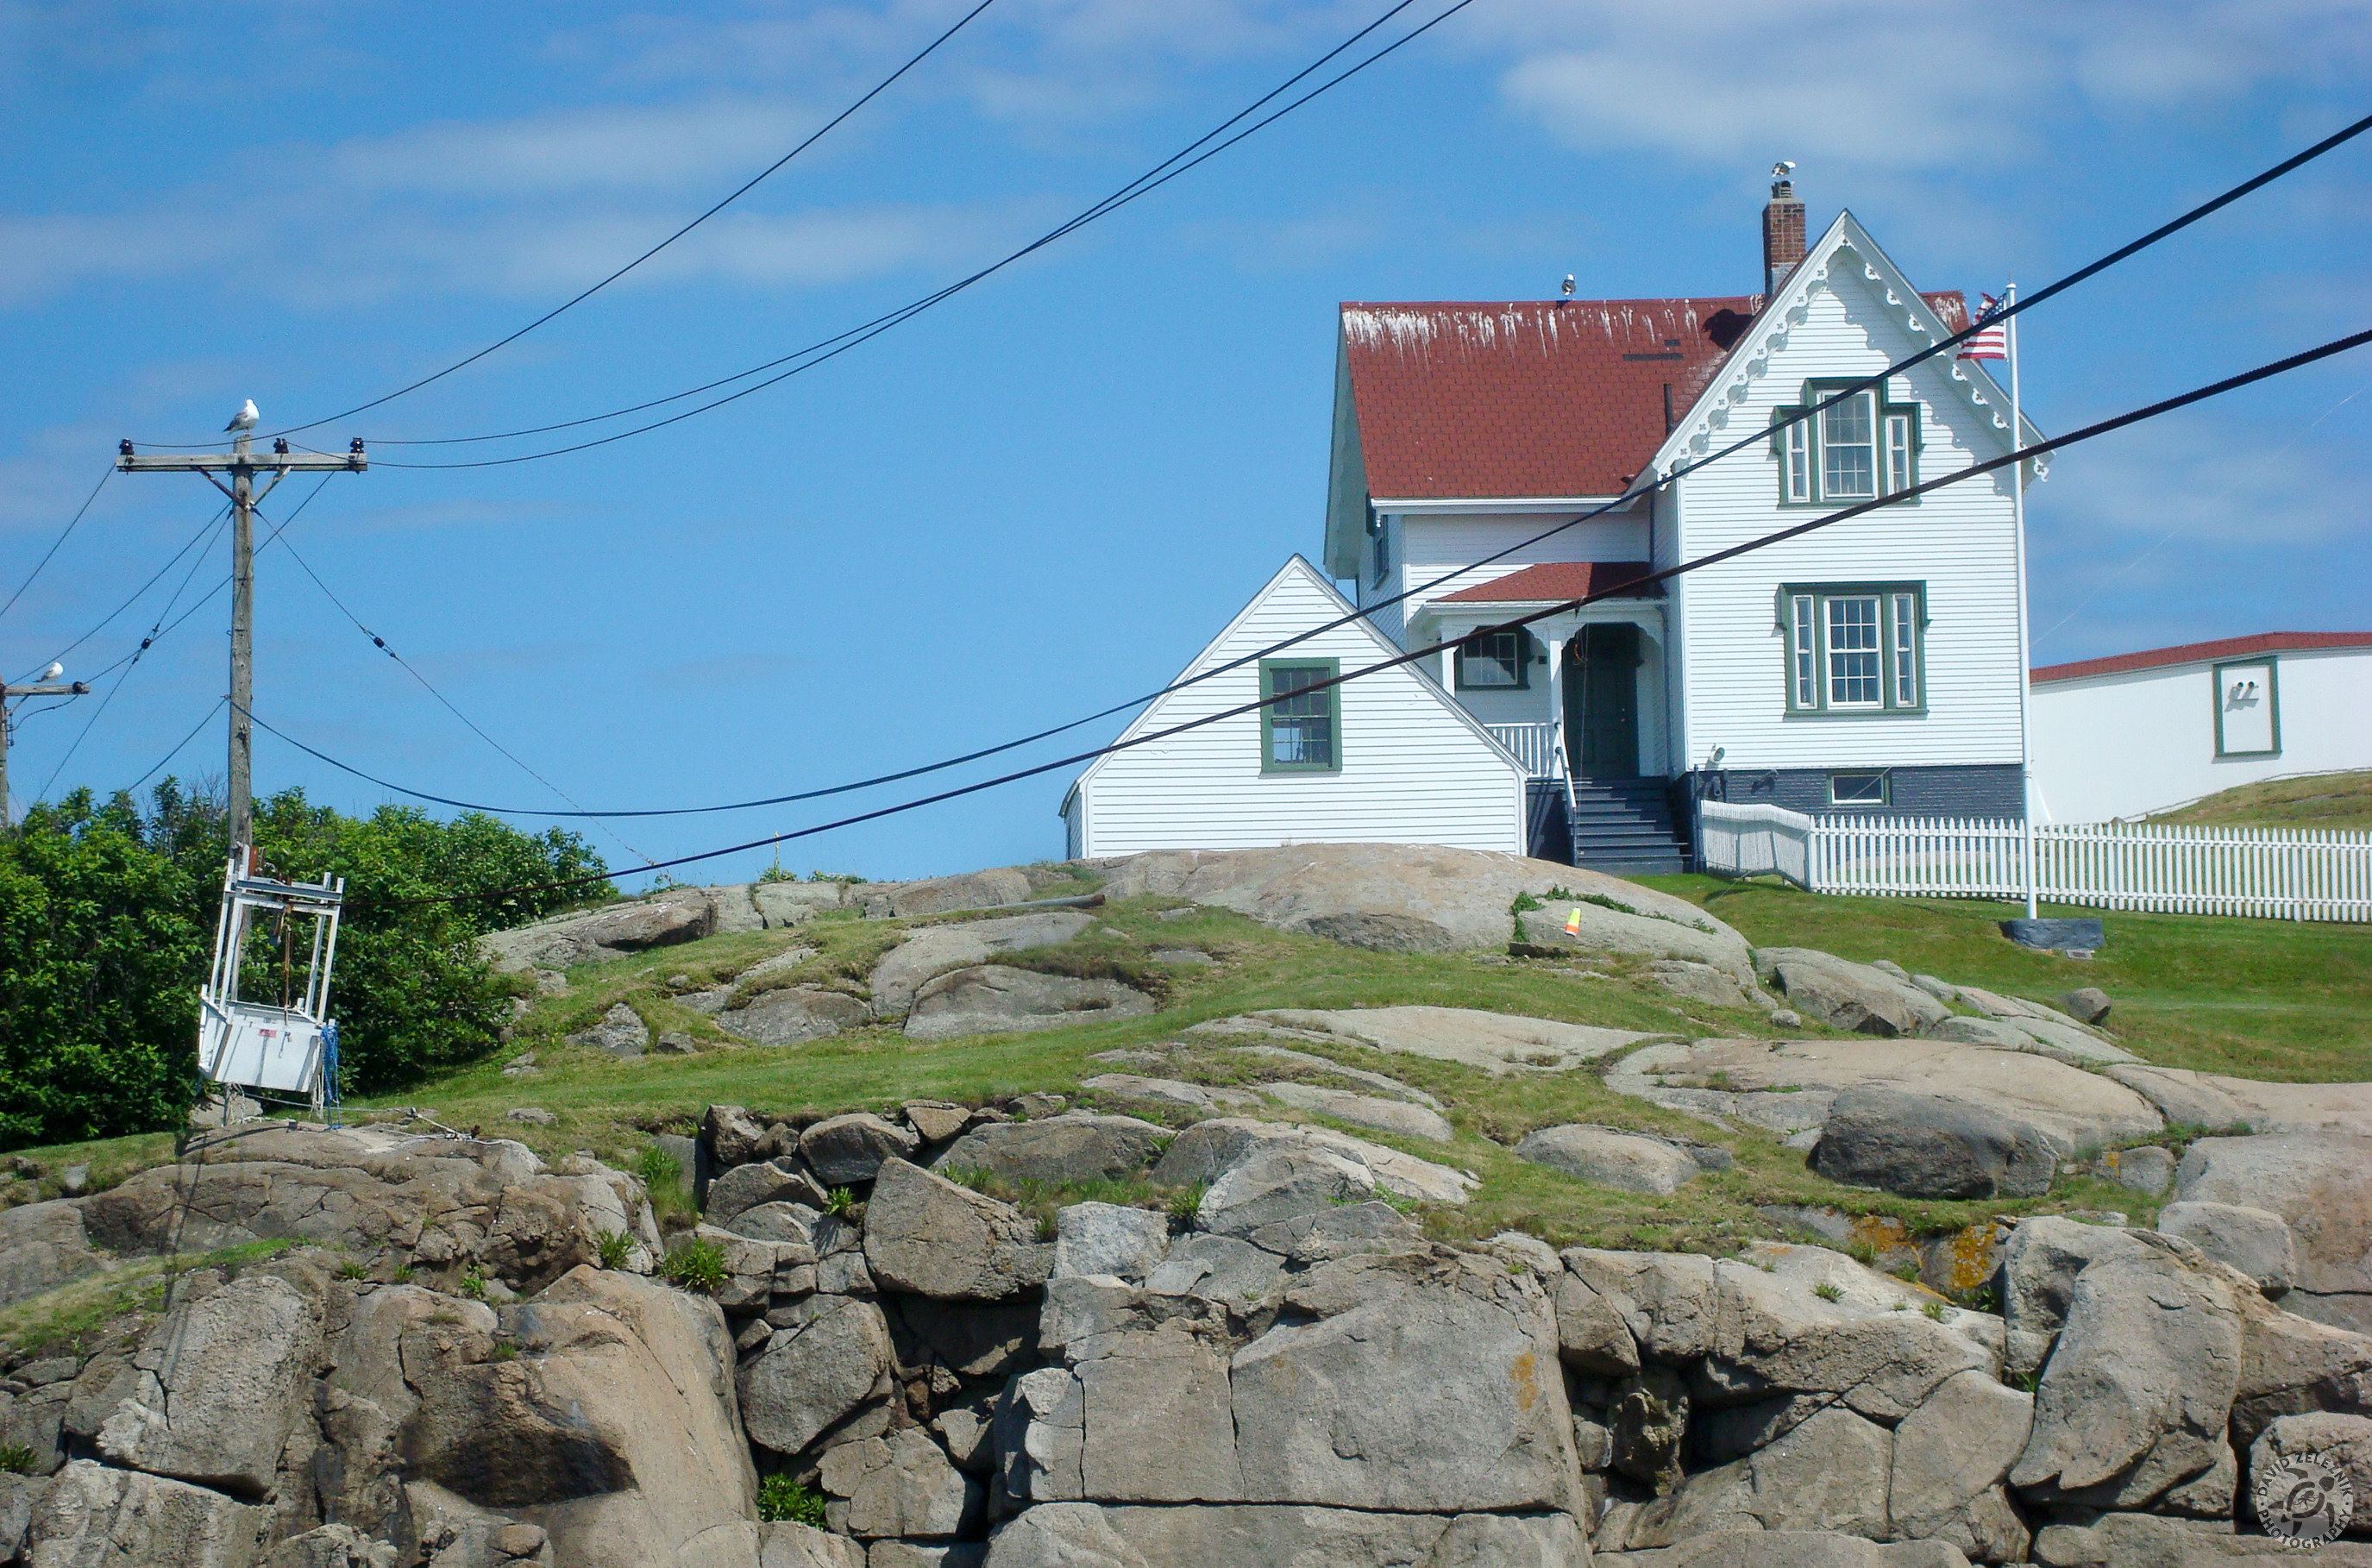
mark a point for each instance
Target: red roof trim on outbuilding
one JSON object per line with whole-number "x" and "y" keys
{"x": 2204, "y": 653}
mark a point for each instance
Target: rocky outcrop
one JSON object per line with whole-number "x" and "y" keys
{"x": 1926, "y": 1118}
{"x": 1497, "y": 1043}
{"x": 2319, "y": 1184}
{"x": 1000, "y": 999}
{"x": 937, "y": 949}
{"x": 1847, "y": 995}
{"x": 1422, "y": 898}
{"x": 394, "y": 1201}
{"x": 1611, "y": 1158}
{"x": 1288, "y": 1373}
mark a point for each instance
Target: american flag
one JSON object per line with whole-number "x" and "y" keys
{"x": 1987, "y": 341}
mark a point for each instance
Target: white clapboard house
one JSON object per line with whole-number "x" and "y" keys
{"x": 1869, "y": 668}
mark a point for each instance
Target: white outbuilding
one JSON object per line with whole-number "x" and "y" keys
{"x": 1390, "y": 759}
{"x": 2140, "y": 733}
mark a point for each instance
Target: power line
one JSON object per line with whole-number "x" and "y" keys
{"x": 2016, "y": 454}
{"x": 194, "y": 540}
{"x": 381, "y": 643}
{"x": 71, "y": 523}
{"x": 1630, "y": 495}
{"x": 179, "y": 746}
{"x": 159, "y": 629}
{"x": 2231, "y": 490}
{"x": 1142, "y": 185}
{"x": 872, "y": 93}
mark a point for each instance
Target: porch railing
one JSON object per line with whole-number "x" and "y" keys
{"x": 1534, "y": 745}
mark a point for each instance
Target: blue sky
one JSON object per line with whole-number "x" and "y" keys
{"x": 1043, "y": 496}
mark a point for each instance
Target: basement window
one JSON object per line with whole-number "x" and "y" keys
{"x": 1858, "y": 789}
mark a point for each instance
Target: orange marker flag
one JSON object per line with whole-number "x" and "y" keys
{"x": 1573, "y": 923}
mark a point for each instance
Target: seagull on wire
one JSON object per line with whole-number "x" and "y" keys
{"x": 245, "y": 418}
{"x": 55, "y": 670}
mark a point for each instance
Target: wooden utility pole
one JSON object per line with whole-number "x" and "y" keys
{"x": 242, "y": 464}
{"x": 38, "y": 689}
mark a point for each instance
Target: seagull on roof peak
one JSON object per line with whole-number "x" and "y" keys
{"x": 1566, "y": 289}
{"x": 245, "y": 418}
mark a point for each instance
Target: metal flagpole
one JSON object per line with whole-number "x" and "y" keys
{"x": 2025, "y": 660}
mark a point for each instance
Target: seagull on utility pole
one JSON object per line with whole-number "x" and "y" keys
{"x": 245, "y": 418}
{"x": 55, "y": 670}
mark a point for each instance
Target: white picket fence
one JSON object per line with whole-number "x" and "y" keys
{"x": 2267, "y": 873}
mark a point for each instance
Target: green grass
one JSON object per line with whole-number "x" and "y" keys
{"x": 2320, "y": 800}
{"x": 2286, "y": 1000}
{"x": 2265, "y": 999}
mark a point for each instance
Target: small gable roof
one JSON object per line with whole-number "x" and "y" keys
{"x": 1552, "y": 581}
{"x": 1299, "y": 572}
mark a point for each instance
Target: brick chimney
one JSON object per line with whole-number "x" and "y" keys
{"x": 1783, "y": 230}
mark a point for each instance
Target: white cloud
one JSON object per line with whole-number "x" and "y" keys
{"x": 627, "y": 147}
{"x": 1872, "y": 85}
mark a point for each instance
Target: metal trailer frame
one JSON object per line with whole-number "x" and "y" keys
{"x": 290, "y": 1048}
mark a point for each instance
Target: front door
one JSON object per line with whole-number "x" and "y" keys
{"x": 1601, "y": 700}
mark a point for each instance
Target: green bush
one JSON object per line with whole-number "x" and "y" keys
{"x": 781, "y": 1499}
{"x": 15, "y": 1458}
{"x": 107, "y": 919}
{"x": 695, "y": 1265}
{"x": 616, "y": 1246}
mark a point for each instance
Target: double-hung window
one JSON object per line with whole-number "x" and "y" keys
{"x": 1854, "y": 647}
{"x": 1303, "y": 732}
{"x": 1857, "y": 448}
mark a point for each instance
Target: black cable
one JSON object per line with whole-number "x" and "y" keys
{"x": 873, "y": 92}
{"x": 158, "y": 630}
{"x": 381, "y": 643}
{"x": 1123, "y": 193}
{"x": 1144, "y": 185}
{"x": 71, "y": 523}
{"x": 1629, "y": 586}
{"x": 195, "y": 540}
{"x": 179, "y": 746}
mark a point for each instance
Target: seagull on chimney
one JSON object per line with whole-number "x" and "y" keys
{"x": 245, "y": 418}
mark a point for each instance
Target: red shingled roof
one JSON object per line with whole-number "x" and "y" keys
{"x": 1557, "y": 580}
{"x": 1534, "y": 397}
{"x": 2202, "y": 652}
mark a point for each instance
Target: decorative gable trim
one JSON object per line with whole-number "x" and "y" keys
{"x": 1845, "y": 245}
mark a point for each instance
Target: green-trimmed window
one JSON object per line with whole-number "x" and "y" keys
{"x": 1854, "y": 647}
{"x": 1495, "y": 661}
{"x": 1856, "y": 449}
{"x": 1302, "y": 733}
